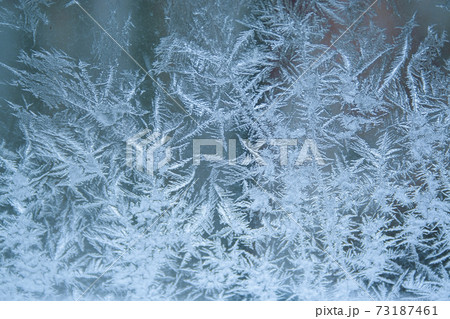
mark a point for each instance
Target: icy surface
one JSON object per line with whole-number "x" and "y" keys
{"x": 369, "y": 222}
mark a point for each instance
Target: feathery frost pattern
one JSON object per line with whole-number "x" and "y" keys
{"x": 368, "y": 221}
